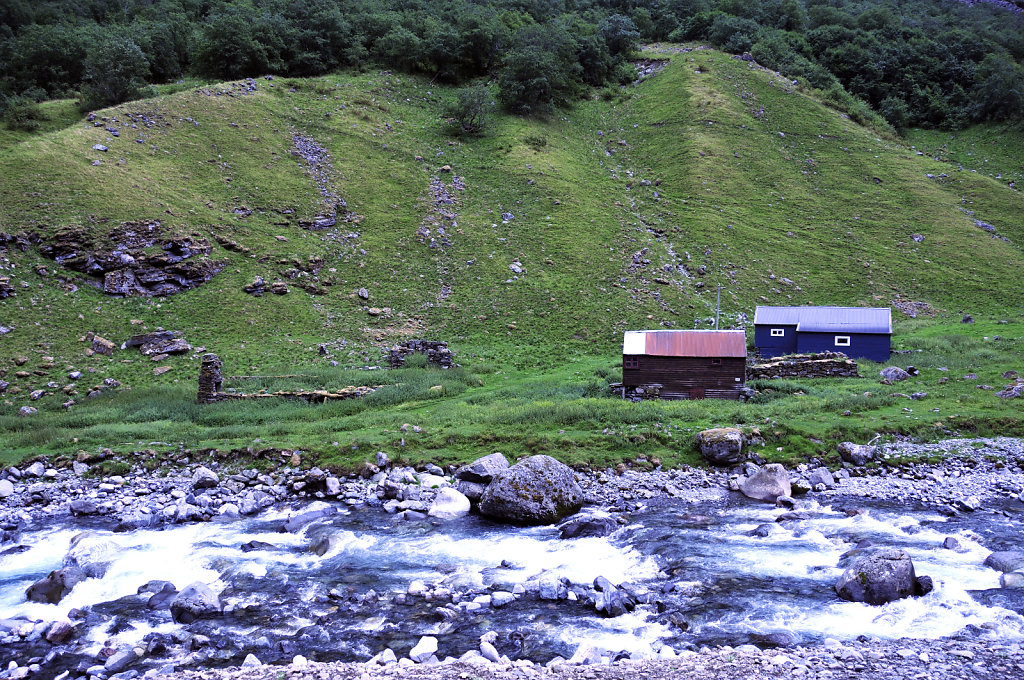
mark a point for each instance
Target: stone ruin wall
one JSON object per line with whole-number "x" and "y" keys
{"x": 436, "y": 351}
{"x": 823, "y": 365}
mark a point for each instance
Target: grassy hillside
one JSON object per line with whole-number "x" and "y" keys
{"x": 628, "y": 211}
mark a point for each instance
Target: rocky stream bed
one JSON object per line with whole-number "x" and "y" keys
{"x": 212, "y": 572}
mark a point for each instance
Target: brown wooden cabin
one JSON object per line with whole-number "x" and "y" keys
{"x": 686, "y": 364}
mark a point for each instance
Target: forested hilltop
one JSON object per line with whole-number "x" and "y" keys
{"x": 916, "y": 63}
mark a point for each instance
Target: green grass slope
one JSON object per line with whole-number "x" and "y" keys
{"x": 629, "y": 211}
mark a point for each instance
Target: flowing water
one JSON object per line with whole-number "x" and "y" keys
{"x": 706, "y": 575}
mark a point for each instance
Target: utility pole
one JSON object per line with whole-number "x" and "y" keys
{"x": 718, "y": 306}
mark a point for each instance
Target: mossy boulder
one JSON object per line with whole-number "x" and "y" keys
{"x": 721, "y": 445}
{"x": 536, "y": 490}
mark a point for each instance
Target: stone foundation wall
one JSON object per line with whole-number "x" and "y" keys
{"x": 437, "y": 352}
{"x": 823, "y": 365}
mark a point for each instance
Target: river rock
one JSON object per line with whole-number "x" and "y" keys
{"x": 483, "y": 470}
{"x": 536, "y": 490}
{"x": 6, "y": 488}
{"x": 59, "y": 632}
{"x": 885, "y": 575}
{"x": 893, "y": 374}
{"x": 424, "y": 649}
{"x": 591, "y": 526}
{"x": 611, "y": 601}
{"x": 821, "y": 476}
{"x": 767, "y": 484}
{"x": 91, "y": 553}
{"x": 857, "y": 454}
{"x": 1012, "y": 579}
{"x": 449, "y": 504}
{"x": 55, "y": 585}
{"x": 474, "y": 491}
{"x": 194, "y": 602}
{"x": 204, "y": 478}
{"x": 1005, "y": 560}
{"x": 120, "y": 661}
{"x": 721, "y": 445}
{"x": 36, "y": 469}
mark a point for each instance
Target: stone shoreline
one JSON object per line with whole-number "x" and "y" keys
{"x": 972, "y": 475}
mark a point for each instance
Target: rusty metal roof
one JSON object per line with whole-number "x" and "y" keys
{"x": 827, "y": 319}
{"x": 686, "y": 343}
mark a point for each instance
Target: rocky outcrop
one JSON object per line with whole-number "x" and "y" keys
{"x": 893, "y": 374}
{"x": 135, "y": 259}
{"x": 536, "y": 490}
{"x": 882, "y": 576}
{"x": 721, "y": 446}
{"x": 159, "y": 342}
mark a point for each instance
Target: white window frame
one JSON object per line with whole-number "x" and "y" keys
{"x": 842, "y": 341}
{"x": 778, "y": 332}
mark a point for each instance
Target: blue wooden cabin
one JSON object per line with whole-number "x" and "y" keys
{"x": 857, "y": 332}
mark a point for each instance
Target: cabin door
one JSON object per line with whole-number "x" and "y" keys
{"x": 696, "y": 393}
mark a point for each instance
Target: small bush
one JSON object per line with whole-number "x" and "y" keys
{"x": 22, "y": 113}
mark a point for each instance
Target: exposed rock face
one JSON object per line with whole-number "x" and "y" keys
{"x": 196, "y": 601}
{"x": 767, "y": 484}
{"x": 135, "y": 259}
{"x": 160, "y": 342}
{"x": 1014, "y": 390}
{"x": 721, "y": 446}
{"x": 536, "y": 490}
{"x": 883, "y": 576}
{"x": 858, "y": 454}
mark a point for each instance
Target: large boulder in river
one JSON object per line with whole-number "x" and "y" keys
{"x": 55, "y": 586}
{"x": 857, "y": 454}
{"x": 196, "y": 601}
{"x": 767, "y": 484}
{"x": 884, "y": 575}
{"x": 483, "y": 470}
{"x": 536, "y": 490}
{"x": 721, "y": 445}
{"x": 1005, "y": 560}
{"x": 91, "y": 553}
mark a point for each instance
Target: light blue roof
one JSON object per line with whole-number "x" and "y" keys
{"x": 827, "y": 319}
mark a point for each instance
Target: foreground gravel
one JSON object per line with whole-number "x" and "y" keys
{"x": 946, "y": 659}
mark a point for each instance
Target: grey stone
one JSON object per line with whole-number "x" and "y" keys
{"x": 36, "y": 469}
{"x": 893, "y": 374}
{"x": 204, "y": 478}
{"x": 91, "y": 553}
{"x": 1012, "y": 579}
{"x": 767, "y": 484}
{"x": 6, "y": 488}
{"x": 537, "y": 490}
{"x": 721, "y": 446}
{"x": 196, "y": 601}
{"x": 424, "y": 649}
{"x": 857, "y": 454}
{"x": 581, "y": 527}
{"x": 471, "y": 490}
{"x": 821, "y": 476}
{"x": 120, "y": 661}
{"x": 483, "y": 470}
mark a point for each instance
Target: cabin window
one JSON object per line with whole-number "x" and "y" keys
{"x": 778, "y": 332}
{"x": 716, "y": 362}
{"x": 842, "y": 341}
{"x": 631, "y": 362}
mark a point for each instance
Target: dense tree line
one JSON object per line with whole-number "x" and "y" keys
{"x": 916, "y": 62}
